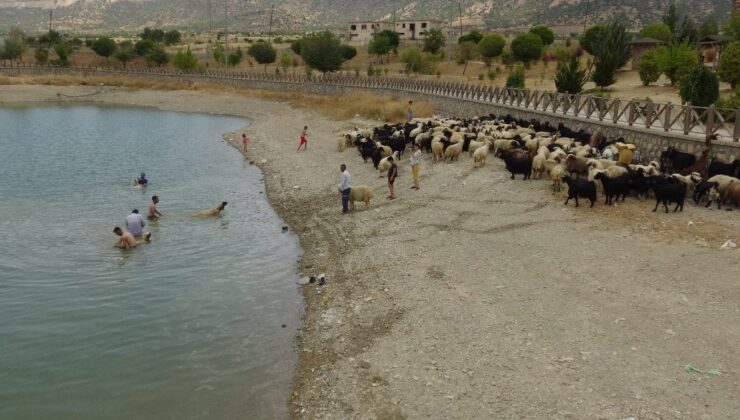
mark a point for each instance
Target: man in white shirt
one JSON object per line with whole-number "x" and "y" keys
{"x": 345, "y": 187}
{"x": 135, "y": 223}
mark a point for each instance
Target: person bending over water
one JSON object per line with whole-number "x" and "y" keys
{"x": 142, "y": 181}
{"x": 212, "y": 212}
{"x": 127, "y": 240}
{"x": 154, "y": 214}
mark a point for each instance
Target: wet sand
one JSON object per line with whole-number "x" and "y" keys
{"x": 482, "y": 297}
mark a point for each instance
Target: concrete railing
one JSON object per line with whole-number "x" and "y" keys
{"x": 685, "y": 119}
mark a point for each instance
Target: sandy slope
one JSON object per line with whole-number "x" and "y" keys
{"x": 482, "y": 297}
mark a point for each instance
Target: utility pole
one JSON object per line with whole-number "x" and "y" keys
{"x": 449, "y": 41}
{"x": 459, "y": 8}
{"x": 210, "y": 17}
{"x": 226, "y": 30}
{"x": 585, "y": 15}
{"x": 269, "y": 33}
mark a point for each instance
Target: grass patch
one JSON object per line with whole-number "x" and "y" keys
{"x": 364, "y": 104}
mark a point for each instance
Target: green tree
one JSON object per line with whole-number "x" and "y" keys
{"x": 218, "y": 53}
{"x": 671, "y": 17}
{"x": 473, "y": 36}
{"x": 433, "y": 41}
{"x": 380, "y": 45}
{"x": 648, "y": 67}
{"x": 50, "y": 38}
{"x": 709, "y": 27}
{"x": 63, "y": 51}
{"x": 144, "y": 47}
{"x": 728, "y": 68}
{"x": 700, "y": 87}
{"x": 546, "y": 34}
{"x": 490, "y": 47}
{"x": 323, "y": 52}
{"x": 676, "y": 61}
{"x": 348, "y": 52}
{"x": 732, "y": 27}
{"x": 613, "y": 52}
{"x": 185, "y": 60}
{"x": 686, "y": 32}
{"x": 527, "y": 47}
{"x": 285, "y": 62}
{"x": 158, "y": 56}
{"x": 591, "y": 38}
{"x": 263, "y": 53}
{"x": 156, "y": 35}
{"x": 236, "y": 57}
{"x": 412, "y": 59}
{"x": 393, "y": 37}
{"x": 12, "y": 49}
{"x": 295, "y": 46}
{"x": 125, "y": 52}
{"x": 516, "y": 78}
{"x": 104, "y": 46}
{"x": 466, "y": 52}
{"x": 659, "y": 31}
{"x": 172, "y": 37}
{"x": 570, "y": 78}
{"x": 41, "y": 55}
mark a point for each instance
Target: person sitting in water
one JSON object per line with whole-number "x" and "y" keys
{"x": 154, "y": 214}
{"x": 212, "y": 212}
{"x": 142, "y": 181}
{"x": 127, "y": 240}
{"x": 135, "y": 223}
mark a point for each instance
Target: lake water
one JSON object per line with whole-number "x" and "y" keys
{"x": 189, "y": 326}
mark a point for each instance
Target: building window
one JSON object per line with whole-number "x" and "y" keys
{"x": 403, "y": 25}
{"x": 423, "y": 24}
{"x": 353, "y": 27}
{"x": 364, "y": 26}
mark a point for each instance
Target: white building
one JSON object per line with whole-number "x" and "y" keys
{"x": 406, "y": 29}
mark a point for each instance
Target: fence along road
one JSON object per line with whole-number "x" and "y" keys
{"x": 684, "y": 119}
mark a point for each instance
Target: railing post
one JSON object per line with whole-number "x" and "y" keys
{"x": 589, "y": 105}
{"x": 667, "y": 117}
{"x": 687, "y": 114}
{"x": 648, "y": 114}
{"x": 615, "y": 111}
{"x": 710, "y": 120}
{"x": 631, "y": 115}
{"x": 576, "y": 104}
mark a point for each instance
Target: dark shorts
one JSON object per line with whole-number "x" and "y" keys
{"x": 152, "y": 217}
{"x": 391, "y": 181}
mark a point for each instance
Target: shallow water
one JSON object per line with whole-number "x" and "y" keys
{"x": 189, "y": 326}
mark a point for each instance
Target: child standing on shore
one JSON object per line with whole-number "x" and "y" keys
{"x": 304, "y": 139}
{"x": 245, "y": 142}
{"x": 392, "y": 174}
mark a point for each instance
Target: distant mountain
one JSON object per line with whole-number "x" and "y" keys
{"x": 300, "y": 15}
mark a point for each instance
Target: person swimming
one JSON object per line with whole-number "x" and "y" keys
{"x": 127, "y": 240}
{"x": 154, "y": 214}
{"x": 142, "y": 181}
{"x": 212, "y": 212}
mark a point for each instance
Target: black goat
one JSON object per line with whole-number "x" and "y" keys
{"x": 516, "y": 166}
{"x": 580, "y": 188}
{"x": 614, "y": 187}
{"x": 673, "y": 161}
{"x": 703, "y": 189}
{"x": 717, "y": 167}
{"x": 670, "y": 192}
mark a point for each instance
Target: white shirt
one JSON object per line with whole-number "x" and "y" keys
{"x": 135, "y": 224}
{"x": 345, "y": 180}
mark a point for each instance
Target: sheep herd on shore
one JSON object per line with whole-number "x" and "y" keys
{"x": 588, "y": 163}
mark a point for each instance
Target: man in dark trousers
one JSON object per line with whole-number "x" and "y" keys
{"x": 345, "y": 187}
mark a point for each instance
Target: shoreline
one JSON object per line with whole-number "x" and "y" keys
{"x": 478, "y": 296}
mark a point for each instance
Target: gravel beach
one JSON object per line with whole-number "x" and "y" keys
{"x": 479, "y": 296}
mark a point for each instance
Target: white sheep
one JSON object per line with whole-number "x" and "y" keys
{"x": 438, "y": 149}
{"x": 341, "y": 143}
{"x": 723, "y": 181}
{"x": 453, "y": 151}
{"x": 474, "y": 145}
{"x": 538, "y": 165}
{"x": 384, "y": 165}
{"x": 686, "y": 180}
{"x": 385, "y": 151}
{"x": 556, "y": 174}
{"x": 480, "y": 155}
{"x": 360, "y": 193}
{"x": 647, "y": 170}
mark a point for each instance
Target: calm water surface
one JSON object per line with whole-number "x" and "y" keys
{"x": 189, "y": 326}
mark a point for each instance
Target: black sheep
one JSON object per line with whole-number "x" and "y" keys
{"x": 521, "y": 166}
{"x": 703, "y": 189}
{"x": 398, "y": 145}
{"x": 614, "y": 187}
{"x": 670, "y": 192}
{"x": 366, "y": 148}
{"x": 580, "y": 188}
{"x": 673, "y": 161}
{"x": 376, "y": 156}
{"x": 638, "y": 183}
{"x": 717, "y": 167}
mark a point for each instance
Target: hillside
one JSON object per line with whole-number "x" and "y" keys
{"x": 297, "y": 15}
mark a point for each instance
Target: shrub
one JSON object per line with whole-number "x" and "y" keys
{"x": 676, "y": 61}
{"x": 41, "y": 55}
{"x": 124, "y": 53}
{"x": 612, "y": 52}
{"x": 412, "y": 59}
{"x": 490, "y": 47}
{"x": 659, "y": 31}
{"x": 144, "y": 47}
{"x": 648, "y": 67}
{"x": 546, "y": 34}
{"x": 516, "y": 78}
{"x": 12, "y": 49}
{"x": 348, "y": 52}
{"x": 157, "y": 56}
{"x": 562, "y": 55}
{"x": 156, "y": 35}
{"x": 474, "y": 37}
{"x": 370, "y": 70}
{"x": 263, "y": 53}
{"x": 295, "y": 46}
{"x": 172, "y": 37}
{"x": 527, "y": 47}
{"x": 728, "y": 68}
{"x": 62, "y": 50}
{"x": 322, "y": 51}
{"x": 236, "y": 57}
{"x": 570, "y": 78}
{"x": 730, "y": 102}
{"x": 700, "y": 87}
{"x": 104, "y": 46}
{"x": 185, "y": 60}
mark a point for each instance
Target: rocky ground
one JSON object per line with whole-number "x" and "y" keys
{"x": 483, "y": 297}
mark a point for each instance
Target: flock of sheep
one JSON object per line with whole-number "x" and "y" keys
{"x": 586, "y": 162}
